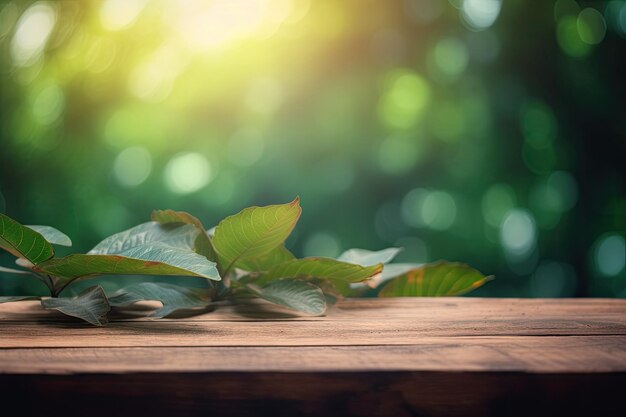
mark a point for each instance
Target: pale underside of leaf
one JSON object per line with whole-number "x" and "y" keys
{"x": 435, "y": 280}
{"x": 22, "y": 271}
{"x": 366, "y": 257}
{"x": 294, "y": 294}
{"x": 254, "y": 232}
{"x": 11, "y": 299}
{"x": 23, "y": 242}
{"x": 91, "y": 305}
{"x": 173, "y": 297}
{"x": 150, "y": 248}
{"x": 321, "y": 268}
{"x": 14, "y": 271}
{"x": 52, "y": 235}
{"x": 393, "y": 270}
{"x": 178, "y": 236}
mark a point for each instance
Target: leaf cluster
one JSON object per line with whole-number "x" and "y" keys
{"x": 243, "y": 256}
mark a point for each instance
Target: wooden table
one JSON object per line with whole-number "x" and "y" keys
{"x": 397, "y": 357}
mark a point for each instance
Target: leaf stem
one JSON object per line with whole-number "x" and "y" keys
{"x": 50, "y": 284}
{"x": 60, "y": 289}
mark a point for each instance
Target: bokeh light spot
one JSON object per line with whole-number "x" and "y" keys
{"x": 480, "y": 14}
{"x": 187, "y": 172}
{"x": 621, "y": 20}
{"x": 101, "y": 55}
{"x": 132, "y": 166}
{"x": 439, "y": 210}
{"x": 564, "y": 184}
{"x": 538, "y": 124}
{"x": 33, "y": 30}
{"x": 322, "y": 244}
{"x": 518, "y": 233}
{"x": 497, "y": 201}
{"x": 412, "y": 207}
{"x": 552, "y": 197}
{"x": 591, "y": 26}
{"x": 120, "y": 14}
{"x": 451, "y": 57}
{"x": 217, "y": 24}
{"x": 405, "y": 99}
{"x": 298, "y": 9}
{"x": 425, "y": 208}
{"x": 153, "y": 80}
{"x": 389, "y": 221}
{"x": 49, "y": 105}
{"x": 569, "y": 39}
{"x": 609, "y": 254}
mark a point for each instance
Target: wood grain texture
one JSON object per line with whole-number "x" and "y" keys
{"x": 427, "y": 356}
{"x": 461, "y": 354}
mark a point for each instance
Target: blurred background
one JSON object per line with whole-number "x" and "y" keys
{"x": 484, "y": 131}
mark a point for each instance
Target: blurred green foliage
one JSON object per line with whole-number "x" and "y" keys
{"x": 482, "y": 131}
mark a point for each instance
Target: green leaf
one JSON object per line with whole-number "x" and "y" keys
{"x": 365, "y": 257}
{"x": 91, "y": 305}
{"x": 333, "y": 290}
{"x": 321, "y": 268}
{"x": 173, "y": 297}
{"x": 254, "y": 232}
{"x": 202, "y": 244}
{"x": 438, "y": 279}
{"x": 277, "y": 256}
{"x": 52, "y": 235}
{"x": 147, "y": 249}
{"x": 293, "y": 294}
{"x": 389, "y": 271}
{"x": 11, "y": 299}
{"x": 23, "y": 242}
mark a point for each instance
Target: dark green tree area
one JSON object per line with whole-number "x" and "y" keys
{"x": 482, "y": 131}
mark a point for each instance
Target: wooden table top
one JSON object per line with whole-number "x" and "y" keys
{"x": 406, "y": 337}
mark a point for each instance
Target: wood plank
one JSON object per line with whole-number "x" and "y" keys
{"x": 374, "y": 308}
{"x": 354, "y": 322}
{"x": 584, "y": 354}
{"x": 400, "y": 357}
{"x": 289, "y": 333}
